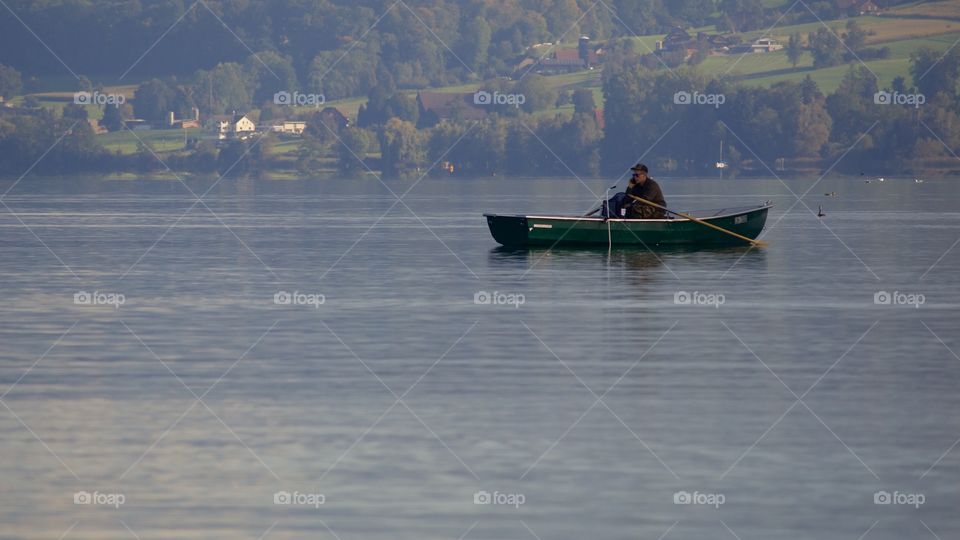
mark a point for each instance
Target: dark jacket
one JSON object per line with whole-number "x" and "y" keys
{"x": 649, "y": 190}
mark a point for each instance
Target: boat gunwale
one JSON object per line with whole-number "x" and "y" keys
{"x": 765, "y": 206}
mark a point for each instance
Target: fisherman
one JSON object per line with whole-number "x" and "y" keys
{"x": 641, "y": 185}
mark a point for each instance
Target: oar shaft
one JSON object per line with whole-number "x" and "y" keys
{"x": 700, "y": 221}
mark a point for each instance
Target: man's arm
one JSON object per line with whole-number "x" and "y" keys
{"x": 658, "y": 196}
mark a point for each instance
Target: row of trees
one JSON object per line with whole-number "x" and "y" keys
{"x": 787, "y": 120}
{"x": 340, "y": 48}
{"x": 679, "y": 117}
{"x": 643, "y": 114}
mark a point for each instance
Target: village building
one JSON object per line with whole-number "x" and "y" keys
{"x": 137, "y": 124}
{"x": 333, "y": 117}
{"x": 289, "y": 127}
{"x": 568, "y": 60}
{"x": 184, "y": 123}
{"x": 680, "y": 40}
{"x": 231, "y": 126}
{"x": 857, "y": 7}
{"x": 766, "y": 45}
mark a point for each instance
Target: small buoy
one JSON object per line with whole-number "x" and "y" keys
{"x": 820, "y": 211}
{"x": 881, "y": 179}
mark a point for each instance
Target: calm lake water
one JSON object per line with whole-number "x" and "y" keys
{"x": 184, "y": 399}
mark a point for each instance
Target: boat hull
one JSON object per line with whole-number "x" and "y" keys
{"x": 522, "y": 231}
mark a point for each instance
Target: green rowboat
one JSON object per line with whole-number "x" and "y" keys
{"x": 539, "y": 230}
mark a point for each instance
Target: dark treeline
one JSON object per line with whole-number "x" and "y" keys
{"x": 340, "y": 48}
{"x": 334, "y": 47}
{"x": 789, "y": 120}
{"x": 872, "y": 128}
{"x": 794, "y": 121}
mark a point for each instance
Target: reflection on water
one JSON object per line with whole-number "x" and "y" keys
{"x": 496, "y": 397}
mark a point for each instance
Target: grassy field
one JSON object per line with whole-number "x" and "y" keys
{"x": 828, "y": 79}
{"x": 945, "y": 9}
{"x": 881, "y": 29}
{"x": 161, "y": 140}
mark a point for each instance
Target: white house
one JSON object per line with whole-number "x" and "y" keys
{"x": 289, "y": 127}
{"x": 765, "y": 45}
{"x": 232, "y": 126}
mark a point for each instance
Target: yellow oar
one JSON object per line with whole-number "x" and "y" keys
{"x": 757, "y": 243}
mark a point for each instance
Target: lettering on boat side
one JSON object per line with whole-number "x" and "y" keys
{"x": 542, "y": 226}
{"x": 739, "y": 219}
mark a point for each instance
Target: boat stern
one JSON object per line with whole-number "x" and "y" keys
{"x": 508, "y": 230}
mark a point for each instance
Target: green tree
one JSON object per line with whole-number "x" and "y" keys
{"x": 224, "y": 89}
{"x": 640, "y": 16}
{"x": 152, "y": 100}
{"x": 794, "y": 49}
{"x": 855, "y": 38}
{"x": 311, "y": 155}
{"x": 239, "y": 158}
{"x": 75, "y": 111}
{"x": 537, "y": 91}
{"x": 401, "y": 146}
{"x": 583, "y": 101}
{"x": 563, "y": 19}
{"x": 113, "y": 117}
{"x": 351, "y": 150}
{"x": 743, "y": 14}
{"x": 10, "y": 82}
{"x": 935, "y": 72}
{"x": 474, "y": 43}
{"x": 270, "y": 73}
{"x": 627, "y": 101}
{"x": 825, "y": 47}
{"x": 694, "y": 12}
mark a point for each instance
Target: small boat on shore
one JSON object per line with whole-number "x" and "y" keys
{"x": 544, "y": 230}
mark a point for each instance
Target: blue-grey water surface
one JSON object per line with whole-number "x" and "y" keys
{"x": 589, "y": 394}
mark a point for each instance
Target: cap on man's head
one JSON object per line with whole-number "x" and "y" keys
{"x": 639, "y": 167}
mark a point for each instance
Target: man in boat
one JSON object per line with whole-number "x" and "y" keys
{"x": 641, "y": 185}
